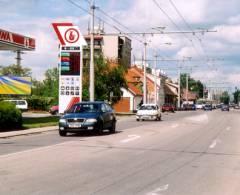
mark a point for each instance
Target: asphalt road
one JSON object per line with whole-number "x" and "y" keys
{"x": 194, "y": 153}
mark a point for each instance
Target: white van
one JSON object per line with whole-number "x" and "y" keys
{"x": 20, "y": 104}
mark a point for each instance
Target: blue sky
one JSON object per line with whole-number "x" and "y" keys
{"x": 34, "y": 18}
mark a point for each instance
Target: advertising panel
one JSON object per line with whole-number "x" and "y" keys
{"x": 70, "y": 64}
{"x": 11, "y": 85}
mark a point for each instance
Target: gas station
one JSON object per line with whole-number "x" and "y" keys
{"x": 11, "y": 84}
{"x": 10, "y": 41}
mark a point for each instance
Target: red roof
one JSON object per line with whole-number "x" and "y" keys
{"x": 191, "y": 95}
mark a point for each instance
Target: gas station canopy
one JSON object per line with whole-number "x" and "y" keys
{"x": 15, "y": 42}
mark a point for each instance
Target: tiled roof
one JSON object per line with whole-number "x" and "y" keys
{"x": 134, "y": 89}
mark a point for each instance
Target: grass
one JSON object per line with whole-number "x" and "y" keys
{"x": 40, "y": 122}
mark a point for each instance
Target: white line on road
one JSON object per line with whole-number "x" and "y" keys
{"x": 228, "y": 128}
{"x": 35, "y": 149}
{"x": 214, "y": 143}
{"x": 160, "y": 189}
{"x": 130, "y": 138}
{"x": 175, "y": 125}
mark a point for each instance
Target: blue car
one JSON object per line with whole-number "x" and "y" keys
{"x": 90, "y": 116}
{"x": 207, "y": 107}
{"x": 225, "y": 107}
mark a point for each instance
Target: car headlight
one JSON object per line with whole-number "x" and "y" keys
{"x": 91, "y": 120}
{"x": 62, "y": 120}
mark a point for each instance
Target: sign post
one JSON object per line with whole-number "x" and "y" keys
{"x": 70, "y": 64}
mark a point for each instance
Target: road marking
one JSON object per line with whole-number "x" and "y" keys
{"x": 214, "y": 143}
{"x": 35, "y": 149}
{"x": 200, "y": 118}
{"x": 131, "y": 138}
{"x": 160, "y": 189}
{"x": 175, "y": 125}
{"x": 228, "y": 128}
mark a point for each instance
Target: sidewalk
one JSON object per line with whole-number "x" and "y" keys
{"x": 27, "y": 132}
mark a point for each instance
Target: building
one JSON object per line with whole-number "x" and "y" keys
{"x": 112, "y": 47}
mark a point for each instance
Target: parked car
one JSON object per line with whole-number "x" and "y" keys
{"x": 90, "y": 116}
{"x": 236, "y": 107}
{"x": 54, "y": 110}
{"x": 168, "y": 107}
{"x": 148, "y": 112}
{"x": 20, "y": 104}
{"x": 208, "y": 107}
{"x": 225, "y": 107}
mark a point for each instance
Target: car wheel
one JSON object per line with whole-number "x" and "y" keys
{"x": 113, "y": 127}
{"x": 100, "y": 129}
{"x": 137, "y": 119}
{"x": 62, "y": 133}
{"x": 160, "y": 118}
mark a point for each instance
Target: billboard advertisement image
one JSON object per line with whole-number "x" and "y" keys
{"x": 11, "y": 85}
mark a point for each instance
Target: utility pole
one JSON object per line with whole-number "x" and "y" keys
{"x": 145, "y": 74}
{"x": 155, "y": 80}
{"x": 179, "y": 86}
{"x": 187, "y": 88}
{"x": 91, "y": 82}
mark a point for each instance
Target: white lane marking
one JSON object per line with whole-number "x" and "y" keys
{"x": 175, "y": 125}
{"x": 35, "y": 149}
{"x": 131, "y": 138}
{"x": 214, "y": 143}
{"x": 160, "y": 189}
{"x": 228, "y": 128}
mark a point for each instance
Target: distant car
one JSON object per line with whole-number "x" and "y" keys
{"x": 54, "y": 110}
{"x": 20, "y": 104}
{"x": 189, "y": 107}
{"x": 208, "y": 107}
{"x": 90, "y": 116}
{"x": 168, "y": 107}
{"x": 236, "y": 107}
{"x": 148, "y": 112}
{"x": 225, "y": 107}
{"x": 199, "y": 106}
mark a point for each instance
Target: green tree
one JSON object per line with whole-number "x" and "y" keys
{"x": 193, "y": 85}
{"x": 236, "y": 96}
{"x": 107, "y": 80}
{"x": 15, "y": 70}
{"x": 225, "y": 98}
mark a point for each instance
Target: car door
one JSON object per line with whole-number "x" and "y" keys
{"x": 105, "y": 116}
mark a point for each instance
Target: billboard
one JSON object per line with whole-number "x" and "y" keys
{"x": 11, "y": 85}
{"x": 70, "y": 64}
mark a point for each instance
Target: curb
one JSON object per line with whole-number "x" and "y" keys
{"x": 27, "y": 132}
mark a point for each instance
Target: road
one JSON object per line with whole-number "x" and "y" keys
{"x": 194, "y": 153}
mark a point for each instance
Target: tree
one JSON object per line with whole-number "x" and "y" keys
{"x": 108, "y": 80}
{"x": 225, "y": 98}
{"x": 193, "y": 85}
{"x": 15, "y": 70}
{"x": 236, "y": 96}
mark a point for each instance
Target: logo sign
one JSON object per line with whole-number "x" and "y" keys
{"x": 68, "y": 34}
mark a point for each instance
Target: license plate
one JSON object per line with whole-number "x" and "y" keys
{"x": 74, "y": 125}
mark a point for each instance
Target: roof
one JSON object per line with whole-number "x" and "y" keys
{"x": 134, "y": 89}
{"x": 15, "y": 42}
{"x": 191, "y": 95}
{"x": 170, "y": 90}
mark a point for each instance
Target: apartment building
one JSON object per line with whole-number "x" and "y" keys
{"x": 112, "y": 47}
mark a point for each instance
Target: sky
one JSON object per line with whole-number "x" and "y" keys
{"x": 215, "y": 58}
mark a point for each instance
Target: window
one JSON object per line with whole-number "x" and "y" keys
{"x": 103, "y": 108}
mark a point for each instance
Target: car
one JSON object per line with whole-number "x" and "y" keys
{"x": 208, "y": 107}
{"x": 237, "y": 107}
{"x": 148, "y": 112}
{"x": 189, "y": 107}
{"x": 225, "y": 107}
{"x": 199, "y": 106}
{"x": 54, "y": 110}
{"x": 20, "y": 104}
{"x": 88, "y": 116}
{"x": 168, "y": 107}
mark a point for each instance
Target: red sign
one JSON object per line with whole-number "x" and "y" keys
{"x": 17, "y": 40}
{"x": 71, "y": 35}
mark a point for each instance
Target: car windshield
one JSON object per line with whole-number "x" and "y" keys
{"x": 148, "y": 107}
{"x": 84, "y": 108}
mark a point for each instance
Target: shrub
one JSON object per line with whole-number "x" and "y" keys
{"x": 10, "y": 116}
{"x": 39, "y": 103}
